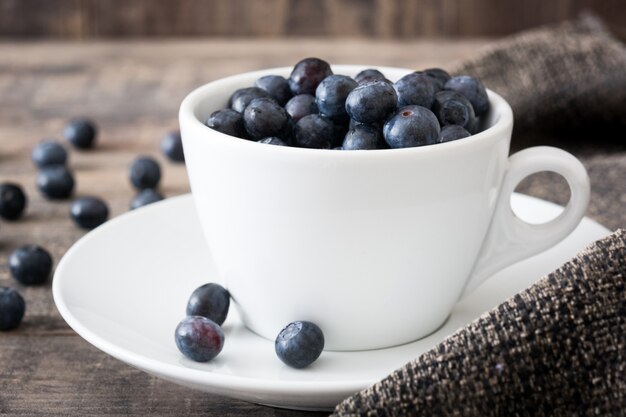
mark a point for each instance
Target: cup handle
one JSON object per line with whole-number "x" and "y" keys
{"x": 510, "y": 239}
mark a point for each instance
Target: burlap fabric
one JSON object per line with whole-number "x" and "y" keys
{"x": 556, "y": 349}
{"x": 559, "y": 78}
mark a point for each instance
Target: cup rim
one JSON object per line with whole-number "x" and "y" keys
{"x": 189, "y": 106}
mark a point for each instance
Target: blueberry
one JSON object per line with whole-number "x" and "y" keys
{"x": 199, "y": 338}
{"x": 453, "y": 132}
{"x": 81, "y": 133}
{"x": 299, "y": 344}
{"x": 55, "y": 182}
{"x": 417, "y": 89}
{"x": 372, "y": 102}
{"x": 331, "y": 94}
{"x": 30, "y": 264}
{"x": 472, "y": 89}
{"x": 264, "y": 118}
{"x": 12, "y": 307}
{"x": 307, "y": 74}
{"x": 48, "y": 153}
{"x": 300, "y": 106}
{"x": 172, "y": 146}
{"x": 12, "y": 201}
{"x": 314, "y": 131}
{"x": 145, "y": 197}
{"x": 273, "y": 141}
{"x": 437, "y": 73}
{"x": 242, "y": 97}
{"x": 276, "y": 86}
{"x": 211, "y": 301}
{"x": 369, "y": 75}
{"x": 363, "y": 137}
{"x": 89, "y": 212}
{"x": 453, "y": 109}
{"x": 412, "y": 126}
{"x": 145, "y": 172}
{"x": 227, "y": 121}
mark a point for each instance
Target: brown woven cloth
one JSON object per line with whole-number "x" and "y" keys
{"x": 559, "y": 77}
{"x": 555, "y": 349}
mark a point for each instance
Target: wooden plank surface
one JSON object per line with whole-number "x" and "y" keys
{"x": 398, "y": 19}
{"x": 132, "y": 90}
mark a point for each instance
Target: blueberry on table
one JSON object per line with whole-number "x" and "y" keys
{"x": 211, "y": 301}
{"x": 81, "y": 133}
{"x": 300, "y": 106}
{"x": 276, "y": 86}
{"x": 55, "y": 182}
{"x": 145, "y": 197}
{"x": 369, "y": 75}
{"x": 172, "y": 146}
{"x": 437, "y": 73}
{"x": 314, "y": 131}
{"x": 145, "y": 172}
{"x": 48, "y": 153}
{"x": 227, "y": 121}
{"x": 363, "y": 137}
{"x": 472, "y": 89}
{"x": 307, "y": 74}
{"x": 30, "y": 264}
{"x": 453, "y": 132}
{"x": 273, "y": 141}
{"x": 412, "y": 126}
{"x": 299, "y": 344}
{"x": 199, "y": 338}
{"x": 453, "y": 109}
{"x": 265, "y": 118}
{"x": 372, "y": 102}
{"x": 12, "y": 307}
{"x": 12, "y": 201}
{"x": 331, "y": 94}
{"x": 89, "y": 212}
{"x": 243, "y": 96}
{"x": 417, "y": 89}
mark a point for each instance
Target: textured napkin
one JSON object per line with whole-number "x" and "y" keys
{"x": 558, "y": 78}
{"x": 555, "y": 349}
{"x": 559, "y": 347}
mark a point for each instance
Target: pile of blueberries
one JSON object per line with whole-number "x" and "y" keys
{"x": 315, "y": 108}
{"x": 32, "y": 264}
{"x": 199, "y": 336}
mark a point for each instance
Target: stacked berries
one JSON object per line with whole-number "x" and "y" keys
{"x": 199, "y": 336}
{"x": 315, "y": 108}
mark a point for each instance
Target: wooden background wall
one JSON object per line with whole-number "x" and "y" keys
{"x": 85, "y": 19}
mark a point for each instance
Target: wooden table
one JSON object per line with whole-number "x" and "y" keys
{"x": 132, "y": 90}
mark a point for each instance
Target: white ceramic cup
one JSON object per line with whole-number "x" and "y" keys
{"x": 373, "y": 246}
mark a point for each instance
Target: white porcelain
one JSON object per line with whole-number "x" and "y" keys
{"x": 124, "y": 287}
{"x": 361, "y": 240}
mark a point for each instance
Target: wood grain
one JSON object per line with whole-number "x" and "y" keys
{"x": 397, "y": 19}
{"x": 132, "y": 90}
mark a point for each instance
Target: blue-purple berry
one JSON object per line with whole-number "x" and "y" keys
{"x": 299, "y": 344}
{"x": 264, "y": 117}
{"x": 144, "y": 172}
{"x": 48, "y": 153}
{"x": 199, "y": 338}
{"x": 300, "y": 106}
{"x": 12, "y": 201}
{"x": 331, "y": 94}
{"x": 307, "y": 74}
{"x": 439, "y": 74}
{"x": 227, "y": 121}
{"x": 363, "y": 137}
{"x": 211, "y": 301}
{"x": 473, "y": 90}
{"x": 372, "y": 102}
{"x": 55, "y": 182}
{"x": 172, "y": 146}
{"x": 369, "y": 75}
{"x": 30, "y": 264}
{"x": 412, "y": 126}
{"x": 453, "y": 109}
{"x": 417, "y": 88}
{"x": 12, "y": 308}
{"x": 276, "y": 86}
{"x": 89, "y": 212}
{"x": 242, "y": 97}
{"x": 453, "y": 132}
{"x": 315, "y": 131}
{"x": 81, "y": 133}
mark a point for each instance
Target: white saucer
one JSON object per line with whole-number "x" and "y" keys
{"x": 124, "y": 287}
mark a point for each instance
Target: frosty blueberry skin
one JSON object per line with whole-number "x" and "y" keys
{"x": 199, "y": 338}
{"x": 307, "y": 75}
{"x": 299, "y": 344}
{"x": 412, "y": 126}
